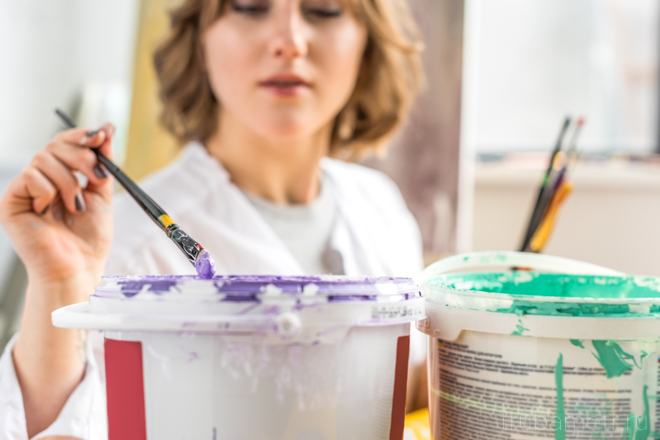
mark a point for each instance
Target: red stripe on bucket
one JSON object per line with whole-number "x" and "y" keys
{"x": 400, "y": 385}
{"x": 125, "y": 390}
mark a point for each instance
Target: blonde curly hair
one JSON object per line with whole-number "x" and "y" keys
{"x": 389, "y": 79}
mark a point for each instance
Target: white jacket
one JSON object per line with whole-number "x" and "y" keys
{"x": 375, "y": 234}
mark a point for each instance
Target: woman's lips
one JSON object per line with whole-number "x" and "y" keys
{"x": 285, "y": 85}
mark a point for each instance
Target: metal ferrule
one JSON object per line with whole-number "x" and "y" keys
{"x": 189, "y": 246}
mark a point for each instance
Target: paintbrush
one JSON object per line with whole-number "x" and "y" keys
{"x": 542, "y": 232}
{"x": 561, "y": 189}
{"x": 570, "y": 156}
{"x": 541, "y": 197}
{"x": 193, "y": 250}
{"x": 557, "y": 193}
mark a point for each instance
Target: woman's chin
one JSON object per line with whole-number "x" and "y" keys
{"x": 287, "y": 130}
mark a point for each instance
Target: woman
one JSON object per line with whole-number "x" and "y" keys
{"x": 261, "y": 91}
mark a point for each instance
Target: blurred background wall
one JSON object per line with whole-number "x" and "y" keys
{"x": 62, "y": 53}
{"x": 75, "y": 54}
{"x": 424, "y": 159}
{"x": 523, "y": 73}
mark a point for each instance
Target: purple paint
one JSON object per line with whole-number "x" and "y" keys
{"x": 257, "y": 289}
{"x": 131, "y": 287}
{"x": 205, "y": 265}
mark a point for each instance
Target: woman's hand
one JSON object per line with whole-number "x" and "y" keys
{"x": 60, "y": 230}
{"x": 62, "y": 234}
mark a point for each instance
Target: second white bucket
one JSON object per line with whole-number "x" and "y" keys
{"x": 565, "y": 351}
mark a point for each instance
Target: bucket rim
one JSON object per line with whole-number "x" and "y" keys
{"x": 432, "y": 284}
{"x": 254, "y": 288}
{"x": 110, "y": 314}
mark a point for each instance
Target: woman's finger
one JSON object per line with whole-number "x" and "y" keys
{"x": 105, "y": 146}
{"x": 29, "y": 191}
{"x": 41, "y": 190}
{"x": 78, "y": 136}
{"x": 99, "y": 139}
{"x": 104, "y": 189}
{"x": 62, "y": 178}
{"x": 80, "y": 159}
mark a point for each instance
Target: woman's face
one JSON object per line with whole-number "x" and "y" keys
{"x": 283, "y": 68}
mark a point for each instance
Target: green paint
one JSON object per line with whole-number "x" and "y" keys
{"x": 547, "y": 294}
{"x": 550, "y": 294}
{"x": 577, "y": 343}
{"x": 644, "y": 426}
{"x": 520, "y": 327}
{"x": 547, "y": 308}
{"x": 553, "y": 285}
{"x": 613, "y": 358}
{"x": 560, "y": 414}
{"x": 639, "y": 428}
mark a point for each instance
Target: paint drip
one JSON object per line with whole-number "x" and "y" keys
{"x": 560, "y": 414}
{"x": 614, "y": 360}
{"x": 639, "y": 428}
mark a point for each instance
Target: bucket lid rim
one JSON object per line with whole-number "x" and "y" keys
{"x": 253, "y": 287}
{"x": 499, "y": 296}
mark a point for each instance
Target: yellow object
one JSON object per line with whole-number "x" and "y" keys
{"x": 417, "y": 425}
{"x": 165, "y": 220}
{"x": 544, "y": 231}
{"x": 149, "y": 146}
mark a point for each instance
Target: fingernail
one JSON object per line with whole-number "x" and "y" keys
{"x": 80, "y": 203}
{"x": 89, "y": 135}
{"x": 100, "y": 172}
{"x": 45, "y": 210}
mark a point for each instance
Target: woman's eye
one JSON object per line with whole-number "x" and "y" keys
{"x": 322, "y": 13}
{"x": 249, "y": 9}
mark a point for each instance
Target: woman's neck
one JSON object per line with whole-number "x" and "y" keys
{"x": 284, "y": 172}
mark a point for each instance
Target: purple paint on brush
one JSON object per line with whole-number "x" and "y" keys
{"x": 205, "y": 265}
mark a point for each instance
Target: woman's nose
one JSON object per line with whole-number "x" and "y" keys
{"x": 289, "y": 37}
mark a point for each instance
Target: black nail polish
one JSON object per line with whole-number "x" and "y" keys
{"x": 100, "y": 172}
{"x": 92, "y": 133}
{"x": 80, "y": 203}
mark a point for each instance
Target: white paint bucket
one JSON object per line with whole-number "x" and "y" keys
{"x": 550, "y": 353}
{"x": 253, "y": 357}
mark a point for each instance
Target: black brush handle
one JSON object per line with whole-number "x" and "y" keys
{"x": 190, "y": 247}
{"x": 143, "y": 200}
{"x": 146, "y": 203}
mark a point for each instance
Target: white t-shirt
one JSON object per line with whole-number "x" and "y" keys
{"x": 305, "y": 229}
{"x": 374, "y": 233}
